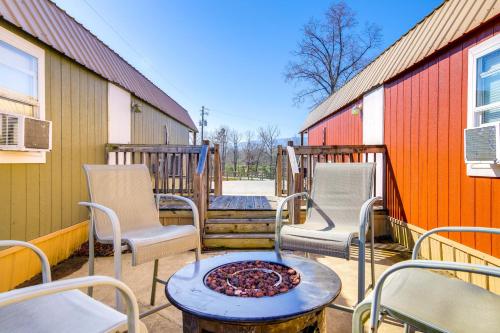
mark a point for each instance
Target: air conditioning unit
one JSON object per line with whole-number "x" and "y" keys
{"x": 23, "y": 133}
{"x": 482, "y": 144}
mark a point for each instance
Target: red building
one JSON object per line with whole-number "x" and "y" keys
{"x": 417, "y": 97}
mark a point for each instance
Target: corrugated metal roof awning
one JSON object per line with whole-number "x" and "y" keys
{"x": 451, "y": 20}
{"x": 54, "y": 27}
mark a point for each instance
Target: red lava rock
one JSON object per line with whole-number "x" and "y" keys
{"x": 252, "y": 279}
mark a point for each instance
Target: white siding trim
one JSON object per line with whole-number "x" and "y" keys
{"x": 7, "y": 157}
{"x": 119, "y": 115}
{"x": 489, "y": 45}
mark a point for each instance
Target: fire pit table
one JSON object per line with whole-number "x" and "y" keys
{"x": 253, "y": 292}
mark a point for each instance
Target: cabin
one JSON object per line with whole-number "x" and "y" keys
{"x": 419, "y": 100}
{"x": 64, "y": 96}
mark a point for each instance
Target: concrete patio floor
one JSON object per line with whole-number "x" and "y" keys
{"x": 170, "y": 319}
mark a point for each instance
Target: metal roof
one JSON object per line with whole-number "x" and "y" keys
{"x": 54, "y": 27}
{"x": 451, "y": 20}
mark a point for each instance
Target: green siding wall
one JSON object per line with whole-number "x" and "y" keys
{"x": 148, "y": 126}
{"x": 37, "y": 199}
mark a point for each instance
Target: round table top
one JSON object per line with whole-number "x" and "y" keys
{"x": 186, "y": 290}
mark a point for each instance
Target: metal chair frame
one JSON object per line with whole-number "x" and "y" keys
{"x": 48, "y": 287}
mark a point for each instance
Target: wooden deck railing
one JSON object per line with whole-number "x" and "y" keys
{"x": 172, "y": 167}
{"x": 295, "y": 167}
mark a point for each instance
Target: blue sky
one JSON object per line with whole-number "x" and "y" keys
{"x": 228, "y": 55}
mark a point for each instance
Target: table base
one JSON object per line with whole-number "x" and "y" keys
{"x": 314, "y": 322}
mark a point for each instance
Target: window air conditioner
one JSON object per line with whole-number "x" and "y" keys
{"x": 23, "y": 133}
{"x": 482, "y": 144}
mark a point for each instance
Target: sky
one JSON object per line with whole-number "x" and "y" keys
{"x": 228, "y": 55}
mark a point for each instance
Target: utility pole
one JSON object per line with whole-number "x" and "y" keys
{"x": 203, "y": 122}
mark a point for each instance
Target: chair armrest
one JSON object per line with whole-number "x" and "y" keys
{"x": 364, "y": 215}
{"x": 279, "y": 213}
{"x": 192, "y": 205}
{"x": 24, "y": 294}
{"x": 418, "y": 243}
{"x": 424, "y": 264}
{"x": 117, "y": 235}
{"x": 46, "y": 274}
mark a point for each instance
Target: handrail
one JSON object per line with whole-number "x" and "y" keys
{"x": 203, "y": 160}
{"x": 144, "y": 148}
{"x": 293, "y": 160}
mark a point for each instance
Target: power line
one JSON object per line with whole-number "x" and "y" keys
{"x": 139, "y": 54}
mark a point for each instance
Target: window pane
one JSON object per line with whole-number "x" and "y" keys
{"x": 491, "y": 116}
{"x": 488, "y": 79}
{"x": 18, "y": 70}
{"x": 9, "y": 106}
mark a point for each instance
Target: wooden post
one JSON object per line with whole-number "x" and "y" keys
{"x": 217, "y": 171}
{"x": 298, "y": 187}
{"x": 279, "y": 172}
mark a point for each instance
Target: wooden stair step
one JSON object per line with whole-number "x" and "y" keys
{"x": 239, "y": 241}
{"x": 247, "y": 228}
{"x": 242, "y": 214}
{"x": 240, "y": 221}
{"x": 240, "y": 236}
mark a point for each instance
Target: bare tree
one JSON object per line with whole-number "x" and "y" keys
{"x": 268, "y": 137}
{"x": 234, "y": 140}
{"x": 248, "y": 151}
{"x": 220, "y": 136}
{"x": 331, "y": 53}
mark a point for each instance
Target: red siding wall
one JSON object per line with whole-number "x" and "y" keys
{"x": 425, "y": 115}
{"x": 342, "y": 128}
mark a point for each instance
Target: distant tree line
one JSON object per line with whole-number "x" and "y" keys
{"x": 249, "y": 154}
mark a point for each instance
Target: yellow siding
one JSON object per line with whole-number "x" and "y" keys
{"x": 441, "y": 248}
{"x": 37, "y": 199}
{"x": 148, "y": 126}
{"x": 18, "y": 264}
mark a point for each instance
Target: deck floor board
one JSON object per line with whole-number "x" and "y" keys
{"x": 229, "y": 202}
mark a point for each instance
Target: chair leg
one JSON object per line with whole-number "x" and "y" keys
{"x": 153, "y": 286}
{"x": 197, "y": 253}
{"x": 372, "y": 251}
{"x": 372, "y": 259}
{"x": 361, "y": 271}
{"x": 90, "y": 290}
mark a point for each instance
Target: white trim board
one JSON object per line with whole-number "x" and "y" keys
{"x": 7, "y": 157}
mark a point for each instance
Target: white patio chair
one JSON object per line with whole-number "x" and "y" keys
{"x": 123, "y": 209}
{"x": 60, "y": 307}
{"x": 339, "y": 212}
{"x": 429, "y": 301}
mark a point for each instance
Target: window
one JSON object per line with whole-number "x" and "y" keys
{"x": 22, "y": 86}
{"x": 484, "y": 94}
{"x": 21, "y": 76}
{"x": 484, "y": 87}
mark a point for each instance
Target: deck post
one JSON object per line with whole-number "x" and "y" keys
{"x": 279, "y": 172}
{"x": 217, "y": 171}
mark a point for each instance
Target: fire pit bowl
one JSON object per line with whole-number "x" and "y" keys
{"x": 253, "y": 292}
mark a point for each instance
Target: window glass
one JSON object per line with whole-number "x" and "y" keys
{"x": 10, "y": 106}
{"x": 18, "y": 71}
{"x": 491, "y": 115}
{"x": 488, "y": 79}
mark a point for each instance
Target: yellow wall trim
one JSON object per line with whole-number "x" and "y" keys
{"x": 441, "y": 248}
{"x": 18, "y": 264}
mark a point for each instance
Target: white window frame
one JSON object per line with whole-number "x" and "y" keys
{"x": 474, "y": 113}
{"x": 39, "y": 104}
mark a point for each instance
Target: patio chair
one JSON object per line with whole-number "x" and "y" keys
{"x": 429, "y": 301}
{"x": 123, "y": 209}
{"x": 60, "y": 307}
{"x": 339, "y": 211}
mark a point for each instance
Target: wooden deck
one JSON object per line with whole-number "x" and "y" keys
{"x": 230, "y": 202}
{"x": 240, "y": 202}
